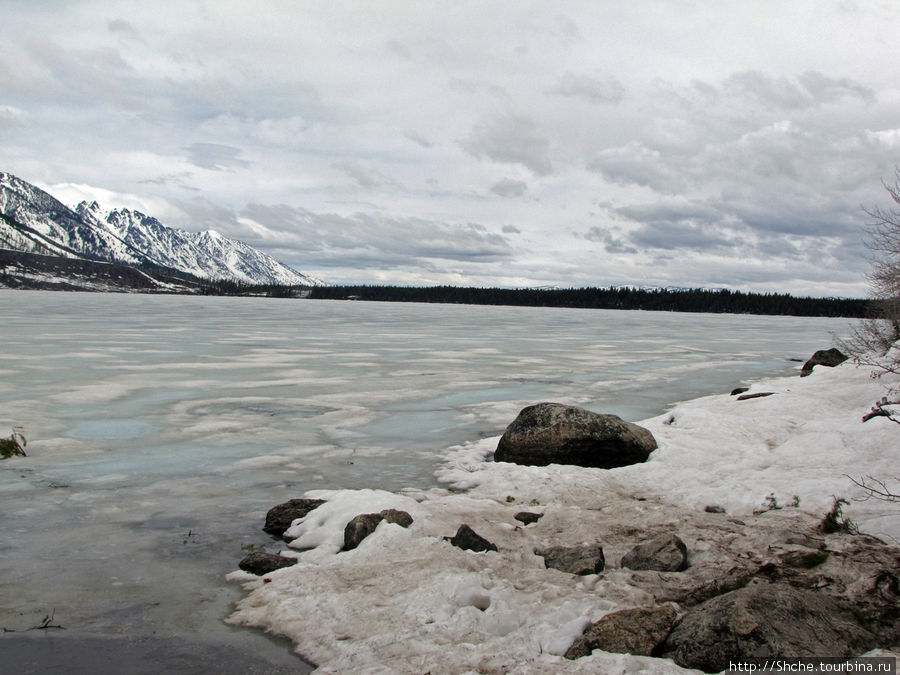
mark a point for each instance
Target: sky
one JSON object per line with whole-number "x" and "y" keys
{"x": 505, "y": 143}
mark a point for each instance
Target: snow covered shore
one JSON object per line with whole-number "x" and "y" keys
{"x": 407, "y": 601}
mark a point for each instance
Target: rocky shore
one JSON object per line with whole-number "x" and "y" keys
{"x": 578, "y": 542}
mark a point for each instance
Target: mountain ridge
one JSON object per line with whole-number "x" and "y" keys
{"x": 33, "y": 221}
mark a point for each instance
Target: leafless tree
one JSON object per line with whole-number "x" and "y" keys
{"x": 876, "y": 341}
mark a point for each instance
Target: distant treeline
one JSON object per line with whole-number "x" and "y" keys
{"x": 664, "y": 300}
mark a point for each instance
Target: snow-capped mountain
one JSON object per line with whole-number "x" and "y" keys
{"x": 33, "y": 221}
{"x": 204, "y": 254}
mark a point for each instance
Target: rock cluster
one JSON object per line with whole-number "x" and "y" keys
{"x": 764, "y": 620}
{"x": 770, "y": 585}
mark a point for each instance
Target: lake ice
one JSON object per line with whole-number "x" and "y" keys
{"x": 161, "y": 429}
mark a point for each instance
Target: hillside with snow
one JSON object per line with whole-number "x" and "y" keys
{"x": 33, "y": 221}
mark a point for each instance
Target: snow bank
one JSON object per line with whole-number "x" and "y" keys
{"x": 407, "y": 601}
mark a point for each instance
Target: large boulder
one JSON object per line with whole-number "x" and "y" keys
{"x": 279, "y": 518}
{"x": 552, "y": 433}
{"x": 629, "y": 631}
{"x": 663, "y": 553}
{"x": 580, "y": 560}
{"x": 824, "y": 357}
{"x": 764, "y": 620}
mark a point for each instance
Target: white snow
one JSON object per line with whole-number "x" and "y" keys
{"x": 407, "y": 601}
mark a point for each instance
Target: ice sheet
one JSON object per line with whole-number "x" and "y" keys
{"x": 198, "y": 414}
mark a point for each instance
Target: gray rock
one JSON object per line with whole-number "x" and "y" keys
{"x": 279, "y": 518}
{"x": 664, "y": 553}
{"x": 364, "y": 524}
{"x": 630, "y": 631}
{"x": 739, "y": 390}
{"x": 714, "y": 508}
{"x": 467, "y": 539}
{"x": 397, "y": 517}
{"x": 760, "y": 394}
{"x": 263, "y": 563}
{"x": 824, "y": 357}
{"x": 764, "y": 620}
{"x": 527, "y": 518}
{"x": 579, "y": 560}
{"x": 551, "y": 433}
{"x": 359, "y": 528}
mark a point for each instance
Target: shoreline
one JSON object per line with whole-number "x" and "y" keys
{"x": 774, "y": 436}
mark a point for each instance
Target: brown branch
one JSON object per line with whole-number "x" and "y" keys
{"x": 875, "y": 489}
{"x": 878, "y": 410}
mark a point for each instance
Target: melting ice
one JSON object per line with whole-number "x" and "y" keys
{"x": 161, "y": 429}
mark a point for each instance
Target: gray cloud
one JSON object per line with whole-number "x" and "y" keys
{"x": 11, "y": 116}
{"x": 215, "y": 156}
{"x": 365, "y": 178}
{"x": 122, "y": 26}
{"x": 511, "y": 139}
{"x": 611, "y": 243}
{"x": 591, "y": 89}
{"x": 400, "y": 49}
{"x": 509, "y": 188}
{"x": 675, "y": 224}
{"x": 739, "y": 157}
{"x": 809, "y": 89}
{"x": 371, "y": 241}
{"x": 419, "y": 139}
{"x": 637, "y": 164}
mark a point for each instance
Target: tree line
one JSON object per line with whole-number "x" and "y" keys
{"x": 718, "y": 301}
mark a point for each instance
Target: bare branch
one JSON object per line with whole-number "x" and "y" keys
{"x": 875, "y": 489}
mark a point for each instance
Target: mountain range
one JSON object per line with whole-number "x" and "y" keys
{"x": 35, "y": 227}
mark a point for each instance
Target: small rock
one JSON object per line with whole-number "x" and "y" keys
{"x": 527, "y": 518}
{"x": 364, "y": 524}
{"x": 804, "y": 559}
{"x": 279, "y": 518}
{"x": 714, "y": 508}
{"x": 260, "y": 563}
{"x": 761, "y": 394}
{"x": 664, "y": 553}
{"x": 359, "y": 528}
{"x": 467, "y": 539}
{"x": 739, "y": 390}
{"x": 801, "y": 539}
{"x": 630, "y": 631}
{"x": 824, "y": 357}
{"x": 397, "y": 517}
{"x": 580, "y": 560}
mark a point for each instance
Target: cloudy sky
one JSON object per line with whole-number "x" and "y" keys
{"x": 516, "y": 143}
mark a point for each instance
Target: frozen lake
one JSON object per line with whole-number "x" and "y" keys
{"x": 161, "y": 429}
